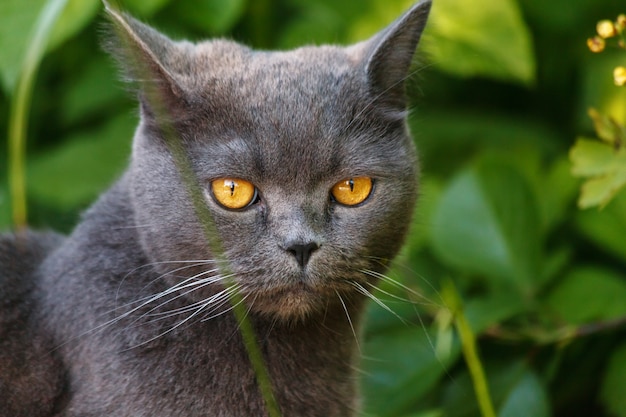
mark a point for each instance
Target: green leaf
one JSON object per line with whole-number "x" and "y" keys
{"x": 601, "y": 190}
{"x": 430, "y": 193}
{"x": 377, "y": 15}
{"x": 590, "y": 157}
{"x": 20, "y": 106}
{"x": 607, "y": 128}
{"x": 606, "y": 228}
{"x": 612, "y": 391}
{"x": 459, "y": 399}
{"x": 75, "y": 16}
{"x": 210, "y": 16}
{"x": 481, "y": 38}
{"x": 400, "y": 366}
{"x": 93, "y": 90}
{"x": 77, "y": 172}
{"x": 17, "y": 19}
{"x": 144, "y": 7}
{"x": 589, "y": 293}
{"x": 473, "y": 131}
{"x": 607, "y": 167}
{"x": 482, "y": 312}
{"x": 487, "y": 223}
{"x": 319, "y": 23}
{"x": 556, "y": 189}
{"x": 604, "y": 161}
{"x": 527, "y": 397}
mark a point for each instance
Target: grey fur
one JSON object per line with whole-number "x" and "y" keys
{"x": 294, "y": 124}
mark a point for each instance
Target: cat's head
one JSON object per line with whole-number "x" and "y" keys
{"x": 301, "y": 158}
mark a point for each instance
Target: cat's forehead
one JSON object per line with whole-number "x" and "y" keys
{"x": 315, "y": 74}
{"x": 301, "y": 115}
{"x": 228, "y": 58}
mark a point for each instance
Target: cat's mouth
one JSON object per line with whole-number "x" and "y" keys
{"x": 294, "y": 300}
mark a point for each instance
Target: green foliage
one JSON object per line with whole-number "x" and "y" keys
{"x": 541, "y": 284}
{"x": 490, "y": 40}
{"x": 487, "y": 223}
{"x": 17, "y": 18}
{"x": 613, "y": 384}
{"x": 604, "y": 162}
{"x": 110, "y": 144}
{"x": 587, "y": 294}
{"x": 607, "y": 228}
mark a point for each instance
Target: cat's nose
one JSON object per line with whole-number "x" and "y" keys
{"x": 302, "y": 251}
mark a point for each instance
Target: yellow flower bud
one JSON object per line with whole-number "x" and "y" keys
{"x": 606, "y": 29}
{"x": 621, "y": 22}
{"x": 619, "y": 76}
{"x": 596, "y": 44}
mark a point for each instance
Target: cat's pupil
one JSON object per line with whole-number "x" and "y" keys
{"x": 351, "y": 182}
{"x": 232, "y": 188}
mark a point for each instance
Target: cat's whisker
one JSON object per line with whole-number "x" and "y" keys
{"x": 192, "y": 264}
{"x": 225, "y": 299}
{"x": 195, "y": 313}
{"x": 343, "y": 304}
{"x": 143, "y": 303}
{"x": 394, "y": 296}
{"x": 222, "y": 297}
{"x": 189, "y": 282}
{"x": 194, "y": 287}
{"x": 399, "y": 285}
{"x": 372, "y": 297}
{"x": 413, "y": 273}
{"x": 215, "y": 301}
{"x": 399, "y": 298}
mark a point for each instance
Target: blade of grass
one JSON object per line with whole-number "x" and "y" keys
{"x": 156, "y": 100}
{"x": 213, "y": 240}
{"x": 470, "y": 349}
{"x": 20, "y": 107}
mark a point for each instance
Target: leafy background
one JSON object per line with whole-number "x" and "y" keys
{"x": 499, "y": 96}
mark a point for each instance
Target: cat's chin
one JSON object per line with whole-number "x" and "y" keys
{"x": 289, "y": 303}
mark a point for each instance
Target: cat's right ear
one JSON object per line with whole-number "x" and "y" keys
{"x": 389, "y": 54}
{"x": 142, "y": 54}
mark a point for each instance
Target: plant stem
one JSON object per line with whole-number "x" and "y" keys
{"x": 156, "y": 100}
{"x": 470, "y": 349}
{"x": 212, "y": 237}
{"x": 20, "y": 107}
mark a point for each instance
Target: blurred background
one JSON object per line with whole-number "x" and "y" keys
{"x": 500, "y": 93}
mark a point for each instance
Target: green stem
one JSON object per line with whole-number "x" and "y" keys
{"x": 20, "y": 107}
{"x": 212, "y": 237}
{"x": 470, "y": 350}
{"x": 157, "y": 100}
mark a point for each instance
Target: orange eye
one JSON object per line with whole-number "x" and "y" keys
{"x": 233, "y": 193}
{"x": 352, "y": 191}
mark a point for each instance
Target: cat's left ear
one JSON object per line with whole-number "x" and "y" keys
{"x": 146, "y": 58}
{"x": 389, "y": 55}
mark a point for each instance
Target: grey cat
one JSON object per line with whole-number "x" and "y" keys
{"x": 305, "y": 164}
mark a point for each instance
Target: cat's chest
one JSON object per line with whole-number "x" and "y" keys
{"x": 204, "y": 370}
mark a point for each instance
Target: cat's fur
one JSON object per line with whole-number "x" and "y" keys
{"x": 80, "y": 334}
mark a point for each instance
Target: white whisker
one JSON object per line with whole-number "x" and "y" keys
{"x": 372, "y": 297}
{"x": 398, "y": 284}
{"x": 356, "y": 338}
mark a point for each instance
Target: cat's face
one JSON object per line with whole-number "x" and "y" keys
{"x": 302, "y": 158}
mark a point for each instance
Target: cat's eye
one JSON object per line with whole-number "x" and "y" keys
{"x": 233, "y": 193}
{"x": 352, "y": 191}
